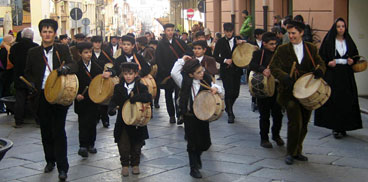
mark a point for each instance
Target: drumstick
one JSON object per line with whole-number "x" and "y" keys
{"x": 292, "y": 69}
{"x": 310, "y": 79}
{"x": 85, "y": 90}
{"x": 205, "y": 86}
{"x": 101, "y": 85}
{"x": 27, "y": 83}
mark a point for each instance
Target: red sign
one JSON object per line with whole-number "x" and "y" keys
{"x": 190, "y": 13}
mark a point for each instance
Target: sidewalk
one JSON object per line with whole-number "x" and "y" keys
{"x": 235, "y": 154}
{"x": 363, "y": 103}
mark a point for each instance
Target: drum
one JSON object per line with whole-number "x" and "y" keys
{"x": 261, "y": 86}
{"x": 150, "y": 82}
{"x": 61, "y": 89}
{"x": 101, "y": 89}
{"x": 208, "y": 107}
{"x": 313, "y": 95}
{"x": 137, "y": 114}
{"x": 108, "y": 66}
{"x": 154, "y": 69}
{"x": 243, "y": 54}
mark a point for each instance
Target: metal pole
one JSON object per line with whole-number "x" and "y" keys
{"x": 265, "y": 14}
{"x": 233, "y": 11}
{"x": 76, "y": 21}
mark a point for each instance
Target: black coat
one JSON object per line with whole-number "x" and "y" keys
{"x": 255, "y": 65}
{"x": 102, "y": 59}
{"x": 222, "y": 52}
{"x": 18, "y": 56}
{"x": 341, "y": 112}
{"x": 145, "y": 67}
{"x": 118, "y": 99}
{"x": 166, "y": 58}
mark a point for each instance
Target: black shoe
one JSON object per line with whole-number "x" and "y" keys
{"x": 231, "y": 119}
{"x": 157, "y": 105}
{"x": 62, "y": 176}
{"x": 289, "y": 160}
{"x": 343, "y": 133}
{"x": 92, "y": 150}
{"x": 83, "y": 152}
{"x": 199, "y": 160}
{"x": 49, "y": 167}
{"x": 337, "y": 135}
{"x": 300, "y": 157}
{"x": 194, "y": 172}
{"x": 266, "y": 144}
{"x": 172, "y": 119}
{"x": 180, "y": 121}
{"x": 279, "y": 141}
{"x": 105, "y": 124}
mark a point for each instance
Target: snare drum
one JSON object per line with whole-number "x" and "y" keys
{"x": 261, "y": 86}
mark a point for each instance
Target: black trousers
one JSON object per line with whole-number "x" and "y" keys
{"x": 20, "y": 105}
{"x": 87, "y": 128}
{"x": 52, "y": 123}
{"x": 171, "y": 104}
{"x": 231, "y": 83}
{"x": 197, "y": 133}
{"x": 269, "y": 106}
{"x": 129, "y": 149}
{"x": 102, "y": 110}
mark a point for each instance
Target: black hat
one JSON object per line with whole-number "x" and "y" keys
{"x": 79, "y": 36}
{"x": 65, "y": 36}
{"x": 131, "y": 34}
{"x": 168, "y": 25}
{"x": 114, "y": 37}
{"x": 259, "y": 31}
{"x": 245, "y": 12}
{"x": 296, "y": 24}
{"x": 200, "y": 33}
{"x": 154, "y": 42}
{"x": 96, "y": 39}
{"x": 129, "y": 66}
{"x": 48, "y": 23}
{"x": 128, "y": 38}
{"x": 184, "y": 33}
{"x": 84, "y": 45}
{"x": 201, "y": 43}
{"x": 228, "y": 26}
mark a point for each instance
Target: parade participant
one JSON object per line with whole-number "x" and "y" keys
{"x": 209, "y": 63}
{"x": 229, "y": 72}
{"x": 308, "y": 34}
{"x": 153, "y": 44}
{"x": 246, "y": 29}
{"x": 146, "y": 51}
{"x": 113, "y": 45}
{"x": 101, "y": 57}
{"x": 168, "y": 51}
{"x": 129, "y": 138}
{"x": 7, "y": 66}
{"x": 64, "y": 39}
{"x": 188, "y": 74}
{"x": 208, "y": 37}
{"x": 307, "y": 60}
{"x": 18, "y": 55}
{"x": 73, "y": 49}
{"x": 41, "y": 61}
{"x": 260, "y": 63}
{"x": 185, "y": 38}
{"x": 148, "y": 36}
{"x": 87, "y": 110}
{"x": 341, "y": 112}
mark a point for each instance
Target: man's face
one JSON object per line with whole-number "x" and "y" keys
{"x": 148, "y": 36}
{"x": 259, "y": 37}
{"x": 64, "y": 41}
{"x": 295, "y": 36}
{"x": 114, "y": 41}
{"x": 270, "y": 45}
{"x": 96, "y": 45}
{"x": 199, "y": 51}
{"x": 184, "y": 37}
{"x": 201, "y": 38}
{"x": 86, "y": 54}
{"x": 169, "y": 32}
{"x": 129, "y": 76}
{"x": 48, "y": 35}
{"x": 229, "y": 34}
{"x": 128, "y": 47}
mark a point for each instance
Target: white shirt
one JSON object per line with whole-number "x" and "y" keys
{"x": 129, "y": 59}
{"x": 259, "y": 43}
{"x": 200, "y": 58}
{"x": 88, "y": 65}
{"x": 178, "y": 78}
{"x": 209, "y": 42}
{"x": 97, "y": 54}
{"x": 114, "y": 49}
{"x": 341, "y": 49}
{"x": 170, "y": 41}
{"x": 49, "y": 57}
{"x": 129, "y": 87}
{"x": 231, "y": 44}
{"x": 299, "y": 51}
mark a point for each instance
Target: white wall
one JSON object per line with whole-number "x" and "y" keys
{"x": 358, "y": 29}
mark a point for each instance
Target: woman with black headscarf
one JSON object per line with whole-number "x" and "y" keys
{"x": 341, "y": 112}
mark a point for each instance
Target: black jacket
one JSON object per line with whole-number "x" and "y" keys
{"x": 145, "y": 67}
{"x": 222, "y": 52}
{"x": 255, "y": 62}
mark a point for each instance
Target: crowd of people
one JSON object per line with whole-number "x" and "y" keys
{"x": 182, "y": 64}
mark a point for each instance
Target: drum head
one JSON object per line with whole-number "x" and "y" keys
{"x": 204, "y": 105}
{"x": 129, "y": 113}
{"x": 243, "y": 54}
{"x": 154, "y": 70}
{"x": 101, "y": 89}
{"x": 301, "y": 91}
{"x": 54, "y": 87}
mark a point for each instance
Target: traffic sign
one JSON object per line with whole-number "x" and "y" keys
{"x": 86, "y": 21}
{"x": 190, "y": 13}
{"x": 76, "y": 13}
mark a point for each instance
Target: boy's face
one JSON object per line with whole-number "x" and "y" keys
{"x": 169, "y": 32}
{"x": 96, "y": 45}
{"x": 228, "y": 33}
{"x": 199, "y": 51}
{"x": 48, "y": 34}
{"x": 86, "y": 54}
{"x": 201, "y": 38}
{"x": 198, "y": 73}
{"x": 64, "y": 41}
{"x": 270, "y": 45}
{"x": 184, "y": 37}
{"x": 129, "y": 76}
{"x": 127, "y": 47}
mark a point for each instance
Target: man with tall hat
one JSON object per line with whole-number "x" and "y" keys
{"x": 41, "y": 61}
{"x": 168, "y": 51}
{"x": 73, "y": 49}
{"x": 229, "y": 72}
{"x": 306, "y": 58}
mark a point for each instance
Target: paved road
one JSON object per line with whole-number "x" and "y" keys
{"x": 234, "y": 156}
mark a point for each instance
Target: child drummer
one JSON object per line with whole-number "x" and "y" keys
{"x": 129, "y": 138}
{"x": 190, "y": 76}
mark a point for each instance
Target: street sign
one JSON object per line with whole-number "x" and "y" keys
{"x": 76, "y": 13}
{"x": 201, "y": 6}
{"x": 85, "y": 21}
{"x": 190, "y": 13}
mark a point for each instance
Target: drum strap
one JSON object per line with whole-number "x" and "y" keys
{"x": 46, "y": 62}
{"x": 181, "y": 47}
{"x": 107, "y": 56}
{"x": 87, "y": 72}
{"x": 136, "y": 61}
{"x": 310, "y": 55}
{"x": 173, "y": 50}
{"x": 260, "y": 63}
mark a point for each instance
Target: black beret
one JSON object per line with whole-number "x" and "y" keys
{"x": 297, "y": 24}
{"x": 84, "y": 45}
{"x": 259, "y": 31}
{"x": 48, "y": 23}
{"x": 130, "y": 66}
{"x": 96, "y": 39}
{"x": 79, "y": 36}
{"x": 128, "y": 38}
{"x": 200, "y": 33}
{"x": 168, "y": 25}
{"x": 65, "y": 36}
{"x": 201, "y": 43}
{"x": 114, "y": 37}
{"x": 228, "y": 26}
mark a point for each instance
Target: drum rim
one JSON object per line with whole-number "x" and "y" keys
{"x": 303, "y": 97}
{"x": 59, "y": 80}
{"x": 195, "y": 105}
